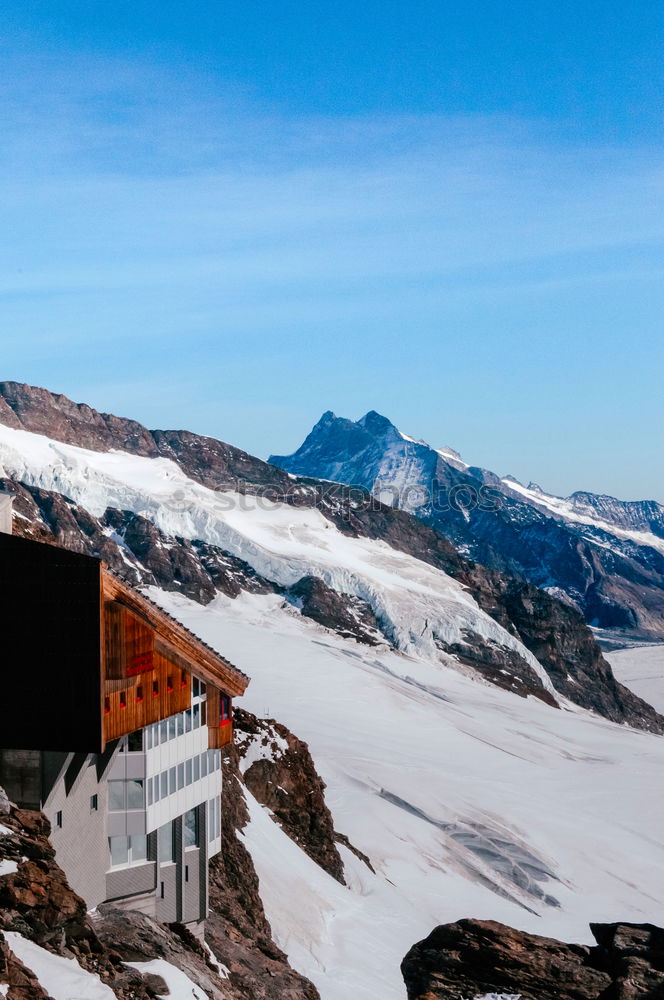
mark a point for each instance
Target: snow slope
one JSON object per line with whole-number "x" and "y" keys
{"x": 61, "y": 978}
{"x": 414, "y": 601}
{"x": 468, "y": 800}
{"x": 641, "y": 668}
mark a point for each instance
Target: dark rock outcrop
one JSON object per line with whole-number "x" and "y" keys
{"x": 350, "y": 616}
{"x": 473, "y": 958}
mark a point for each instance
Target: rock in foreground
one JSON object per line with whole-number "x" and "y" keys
{"x": 473, "y": 958}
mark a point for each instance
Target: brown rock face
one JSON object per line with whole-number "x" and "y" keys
{"x": 286, "y": 781}
{"x": 472, "y": 958}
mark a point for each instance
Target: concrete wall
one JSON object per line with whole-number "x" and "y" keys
{"x": 81, "y": 844}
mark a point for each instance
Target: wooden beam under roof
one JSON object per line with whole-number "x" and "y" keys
{"x": 199, "y": 658}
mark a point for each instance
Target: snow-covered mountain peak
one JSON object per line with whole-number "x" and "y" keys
{"x": 603, "y": 554}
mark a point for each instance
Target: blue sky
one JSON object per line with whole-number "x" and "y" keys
{"x": 233, "y": 216}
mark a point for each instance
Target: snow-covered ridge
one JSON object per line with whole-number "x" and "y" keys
{"x": 566, "y": 509}
{"x": 416, "y": 603}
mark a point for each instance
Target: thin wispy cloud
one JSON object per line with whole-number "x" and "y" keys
{"x": 147, "y": 212}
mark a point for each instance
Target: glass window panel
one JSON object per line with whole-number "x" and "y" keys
{"x": 163, "y": 731}
{"x": 211, "y": 819}
{"x": 187, "y": 721}
{"x": 196, "y": 688}
{"x": 172, "y": 728}
{"x": 188, "y": 772}
{"x": 204, "y": 763}
{"x": 172, "y": 783}
{"x": 180, "y": 722}
{"x": 191, "y": 828}
{"x": 135, "y": 795}
{"x": 197, "y": 716}
{"x": 203, "y": 688}
{"x": 180, "y": 775}
{"x": 211, "y": 761}
{"x": 135, "y": 741}
{"x": 149, "y": 791}
{"x": 139, "y": 848}
{"x": 116, "y": 795}
{"x": 119, "y": 847}
{"x": 197, "y": 768}
{"x": 164, "y": 784}
{"x": 166, "y": 843}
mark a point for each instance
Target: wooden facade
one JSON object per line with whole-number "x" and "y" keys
{"x": 90, "y": 659}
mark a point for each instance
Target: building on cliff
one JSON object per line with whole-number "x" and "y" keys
{"x": 112, "y": 721}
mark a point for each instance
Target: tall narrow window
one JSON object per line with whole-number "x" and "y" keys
{"x": 116, "y": 796}
{"x": 135, "y": 795}
{"x": 58, "y": 819}
{"x": 94, "y": 803}
{"x": 166, "y": 844}
{"x": 191, "y": 828}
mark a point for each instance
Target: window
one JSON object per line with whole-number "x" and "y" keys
{"x": 203, "y": 713}
{"x": 155, "y": 786}
{"x": 172, "y": 782}
{"x": 197, "y": 716}
{"x": 172, "y": 728}
{"x": 180, "y": 722}
{"x": 211, "y": 761}
{"x": 191, "y": 828}
{"x": 116, "y": 796}
{"x": 128, "y": 850}
{"x": 163, "y": 731}
{"x": 224, "y": 708}
{"x": 148, "y": 738}
{"x": 204, "y": 763}
{"x": 166, "y": 844}
{"x": 119, "y": 848}
{"x": 138, "y": 846}
{"x": 94, "y": 803}
{"x": 203, "y": 688}
{"x": 187, "y": 721}
{"x": 163, "y": 777}
{"x": 214, "y": 819}
{"x": 180, "y": 776}
{"x": 135, "y": 741}
{"x": 149, "y": 791}
{"x": 58, "y": 819}
{"x": 197, "y": 768}
{"x": 135, "y": 794}
{"x": 188, "y": 772}
{"x": 196, "y": 688}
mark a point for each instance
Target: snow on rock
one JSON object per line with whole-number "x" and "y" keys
{"x": 180, "y": 986}
{"x": 418, "y": 605}
{"x": 61, "y": 978}
{"x": 8, "y": 867}
{"x": 467, "y": 801}
{"x": 5, "y": 831}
